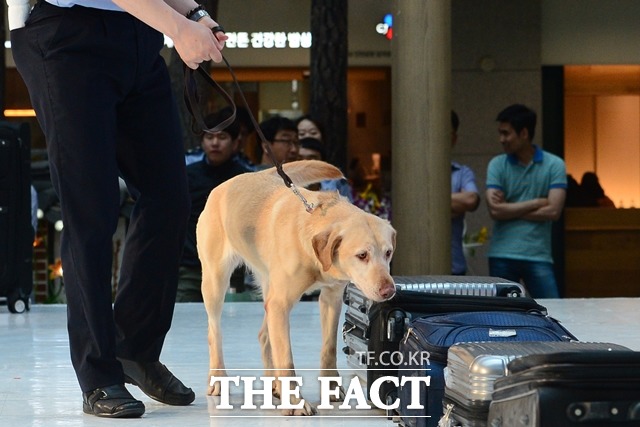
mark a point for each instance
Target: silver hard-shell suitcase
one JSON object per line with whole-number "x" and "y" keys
{"x": 472, "y": 369}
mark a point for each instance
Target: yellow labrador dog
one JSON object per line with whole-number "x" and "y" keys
{"x": 254, "y": 218}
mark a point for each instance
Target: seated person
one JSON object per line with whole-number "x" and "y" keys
{"x": 592, "y": 193}
{"x": 218, "y": 165}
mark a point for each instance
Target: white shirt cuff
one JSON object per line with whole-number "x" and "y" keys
{"x": 17, "y": 13}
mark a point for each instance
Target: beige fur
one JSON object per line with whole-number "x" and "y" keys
{"x": 254, "y": 218}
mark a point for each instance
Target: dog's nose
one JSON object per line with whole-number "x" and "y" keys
{"x": 387, "y": 290}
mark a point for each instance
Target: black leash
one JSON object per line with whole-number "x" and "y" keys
{"x": 192, "y": 101}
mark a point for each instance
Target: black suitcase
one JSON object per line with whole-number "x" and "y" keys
{"x": 16, "y": 231}
{"x": 382, "y": 325}
{"x": 473, "y": 368}
{"x": 595, "y": 389}
{"x": 433, "y": 335}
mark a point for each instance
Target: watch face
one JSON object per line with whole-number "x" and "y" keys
{"x": 198, "y": 15}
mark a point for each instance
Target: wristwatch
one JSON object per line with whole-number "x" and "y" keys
{"x": 198, "y": 15}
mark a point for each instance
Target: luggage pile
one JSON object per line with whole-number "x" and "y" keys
{"x": 464, "y": 351}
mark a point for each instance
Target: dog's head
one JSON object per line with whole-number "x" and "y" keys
{"x": 359, "y": 249}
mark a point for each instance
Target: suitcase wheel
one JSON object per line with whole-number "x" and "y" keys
{"x": 396, "y": 325}
{"x": 17, "y": 303}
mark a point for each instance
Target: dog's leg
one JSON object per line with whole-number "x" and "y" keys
{"x": 215, "y": 281}
{"x": 278, "y": 308}
{"x": 267, "y": 358}
{"x": 263, "y": 334}
{"x": 265, "y": 346}
{"x": 330, "y": 306}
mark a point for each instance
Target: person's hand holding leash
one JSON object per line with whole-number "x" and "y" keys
{"x": 196, "y": 37}
{"x": 196, "y": 42}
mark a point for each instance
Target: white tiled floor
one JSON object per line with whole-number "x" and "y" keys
{"x": 38, "y": 386}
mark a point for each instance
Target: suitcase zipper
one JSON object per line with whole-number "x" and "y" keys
{"x": 406, "y": 335}
{"x": 419, "y": 343}
{"x": 455, "y": 333}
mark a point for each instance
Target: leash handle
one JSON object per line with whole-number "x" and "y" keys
{"x": 191, "y": 99}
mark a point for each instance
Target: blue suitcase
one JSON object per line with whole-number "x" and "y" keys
{"x": 433, "y": 335}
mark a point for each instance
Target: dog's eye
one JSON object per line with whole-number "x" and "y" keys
{"x": 362, "y": 256}
{"x": 389, "y": 253}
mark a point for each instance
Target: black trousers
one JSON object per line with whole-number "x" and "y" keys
{"x": 102, "y": 95}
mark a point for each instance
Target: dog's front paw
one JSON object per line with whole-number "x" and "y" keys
{"x": 341, "y": 395}
{"x": 214, "y": 390}
{"x": 306, "y": 410}
{"x": 215, "y": 387}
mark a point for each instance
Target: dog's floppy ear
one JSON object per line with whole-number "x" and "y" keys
{"x": 325, "y": 245}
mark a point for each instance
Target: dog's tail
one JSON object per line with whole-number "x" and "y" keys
{"x": 306, "y": 172}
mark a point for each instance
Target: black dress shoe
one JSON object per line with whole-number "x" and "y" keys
{"x": 157, "y": 382}
{"x": 113, "y": 401}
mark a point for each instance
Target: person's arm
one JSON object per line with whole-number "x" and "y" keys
{"x": 465, "y": 196}
{"x": 556, "y": 196}
{"x": 500, "y": 209}
{"x": 464, "y": 201}
{"x": 194, "y": 41}
{"x": 551, "y": 211}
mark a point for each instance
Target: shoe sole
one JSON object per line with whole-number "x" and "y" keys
{"x": 185, "y": 402}
{"x": 124, "y": 413}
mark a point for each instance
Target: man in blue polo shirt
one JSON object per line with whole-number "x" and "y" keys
{"x": 526, "y": 190}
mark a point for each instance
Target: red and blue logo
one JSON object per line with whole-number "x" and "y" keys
{"x": 386, "y": 26}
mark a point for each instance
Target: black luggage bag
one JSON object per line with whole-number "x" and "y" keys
{"x": 595, "y": 389}
{"x": 16, "y": 231}
{"x": 473, "y": 368}
{"x": 381, "y": 326}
